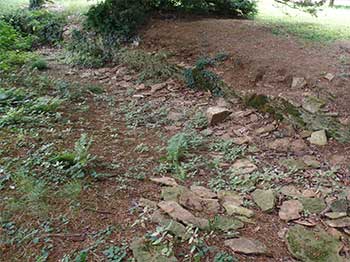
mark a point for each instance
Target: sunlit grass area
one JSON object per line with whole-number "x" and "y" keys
{"x": 330, "y": 24}
{"x": 70, "y": 6}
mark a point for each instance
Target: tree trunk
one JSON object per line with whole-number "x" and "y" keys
{"x": 331, "y": 3}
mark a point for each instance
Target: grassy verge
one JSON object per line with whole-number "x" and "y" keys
{"x": 331, "y": 24}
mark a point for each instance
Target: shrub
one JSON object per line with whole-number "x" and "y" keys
{"x": 153, "y": 67}
{"x": 89, "y": 49}
{"x": 39, "y": 64}
{"x": 44, "y": 26}
{"x": 123, "y": 17}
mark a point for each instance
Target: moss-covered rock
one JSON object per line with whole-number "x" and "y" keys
{"x": 313, "y": 245}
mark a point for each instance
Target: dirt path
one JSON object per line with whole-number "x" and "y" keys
{"x": 262, "y": 62}
{"x": 246, "y": 153}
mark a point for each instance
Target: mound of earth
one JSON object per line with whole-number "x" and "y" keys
{"x": 261, "y": 62}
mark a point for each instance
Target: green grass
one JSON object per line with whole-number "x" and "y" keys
{"x": 331, "y": 24}
{"x": 70, "y": 6}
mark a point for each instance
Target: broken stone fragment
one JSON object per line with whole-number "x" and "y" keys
{"x": 225, "y": 224}
{"x": 313, "y": 205}
{"x": 177, "y": 212}
{"x": 167, "y": 181}
{"x": 335, "y": 215}
{"x": 313, "y": 245}
{"x": 319, "y": 138}
{"x": 203, "y": 192}
{"x": 230, "y": 196}
{"x": 265, "y": 199}
{"x": 246, "y": 246}
{"x": 294, "y": 164}
{"x": 290, "y": 191}
{"x": 192, "y": 201}
{"x": 298, "y": 83}
{"x": 216, "y": 114}
{"x": 290, "y": 210}
{"x": 340, "y": 222}
{"x": 313, "y": 104}
{"x": 312, "y": 162}
{"x": 232, "y": 209}
{"x": 265, "y": 129}
{"x": 144, "y": 202}
{"x": 244, "y": 166}
{"x": 143, "y": 251}
{"x": 172, "y": 193}
{"x": 329, "y": 76}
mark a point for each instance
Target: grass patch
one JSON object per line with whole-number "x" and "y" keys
{"x": 329, "y": 25}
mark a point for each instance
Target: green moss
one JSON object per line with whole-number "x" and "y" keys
{"x": 313, "y": 245}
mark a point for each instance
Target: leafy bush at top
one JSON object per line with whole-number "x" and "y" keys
{"x": 45, "y": 27}
{"x": 120, "y": 16}
{"x": 124, "y": 17}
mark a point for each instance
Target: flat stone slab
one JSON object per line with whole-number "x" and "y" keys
{"x": 203, "y": 192}
{"x": 177, "y": 212}
{"x": 217, "y": 114}
{"x": 244, "y": 166}
{"x": 290, "y": 210}
{"x": 166, "y": 181}
{"x": 265, "y": 199}
{"x": 225, "y": 223}
{"x": 313, "y": 205}
{"x": 339, "y": 223}
{"x": 313, "y": 245}
{"x": 319, "y": 138}
{"x": 233, "y": 209}
{"x": 246, "y": 246}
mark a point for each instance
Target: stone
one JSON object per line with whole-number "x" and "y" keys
{"x": 335, "y": 215}
{"x": 294, "y": 164}
{"x": 246, "y": 246}
{"x": 167, "y": 181}
{"x": 298, "y": 146}
{"x": 265, "y": 199}
{"x": 313, "y": 245}
{"x": 233, "y": 209}
{"x": 225, "y": 223}
{"x": 290, "y": 191}
{"x": 242, "y": 140}
{"x": 290, "y": 210}
{"x": 144, "y": 202}
{"x": 175, "y": 228}
{"x": 172, "y": 193}
{"x": 340, "y": 205}
{"x": 203, "y": 192}
{"x": 313, "y": 205}
{"x": 280, "y": 145}
{"x": 337, "y": 160}
{"x": 340, "y": 222}
{"x": 192, "y": 201}
{"x": 244, "y": 166}
{"x": 329, "y": 77}
{"x": 265, "y": 129}
{"x": 298, "y": 83}
{"x": 312, "y": 162}
{"x": 231, "y": 197}
{"x": 313, "y": 104}
{"x": 319, "y": 138}
{"x": 143, "y": 251}
{"x": 174, "y": 116}
{"x": 309, "y": 193}
{"x": 216, "y": 114}
{"x": 157, "y": 87}
{"x": 177, "y": 212}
